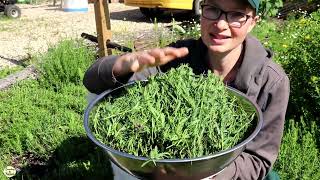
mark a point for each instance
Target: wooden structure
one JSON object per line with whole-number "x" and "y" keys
{"x": 103, "y": 25}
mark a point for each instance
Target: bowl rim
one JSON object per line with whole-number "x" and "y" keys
{"x": 141, "y": 158}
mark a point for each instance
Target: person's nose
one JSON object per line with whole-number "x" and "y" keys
{"x": 222, "y": 22}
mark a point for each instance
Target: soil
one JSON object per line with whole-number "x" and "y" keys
{"x": 41, "y": 26}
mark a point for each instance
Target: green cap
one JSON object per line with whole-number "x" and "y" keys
{"x": 255, "y": 4}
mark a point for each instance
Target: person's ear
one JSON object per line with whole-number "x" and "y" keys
{"x": 253, "y": 23}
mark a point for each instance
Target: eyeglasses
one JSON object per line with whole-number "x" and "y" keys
{"x": 234, "y": 19}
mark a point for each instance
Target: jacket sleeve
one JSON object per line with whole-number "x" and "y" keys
{"x": 99, "y": 76}
{"x": 261, "y": 153}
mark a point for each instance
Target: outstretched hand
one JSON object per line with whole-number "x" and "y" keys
{"x": 137, "y": 61}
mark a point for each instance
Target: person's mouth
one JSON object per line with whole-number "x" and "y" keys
{"x": 219, "y": 39}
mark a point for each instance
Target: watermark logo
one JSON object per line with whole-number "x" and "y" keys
{"x": 9, "y": 171}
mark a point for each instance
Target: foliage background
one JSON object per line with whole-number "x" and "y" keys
{"x": 296, "y": 45}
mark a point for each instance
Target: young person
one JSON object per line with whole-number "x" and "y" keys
{"x": 227, "y": 49}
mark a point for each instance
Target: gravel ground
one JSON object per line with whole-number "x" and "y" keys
{"x": 43, "y": 25}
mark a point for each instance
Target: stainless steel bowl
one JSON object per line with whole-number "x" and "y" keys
{"x": 194, "y": 168}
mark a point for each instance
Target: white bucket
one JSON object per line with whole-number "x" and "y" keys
{"x": 75, "y": 6}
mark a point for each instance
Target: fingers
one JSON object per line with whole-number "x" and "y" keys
{"x": 177, "y": 52}
{"x": 163, "y": 56}
{"x": 135, "y": 62}
{"x": 141, "y": 61}
{"x": 158, "y": 55}
{"x": 173, "y": 53}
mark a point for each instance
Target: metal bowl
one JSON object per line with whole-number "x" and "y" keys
{"x": 193, "y": 168}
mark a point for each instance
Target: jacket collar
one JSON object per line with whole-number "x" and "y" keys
{"x": 254, "y": 58}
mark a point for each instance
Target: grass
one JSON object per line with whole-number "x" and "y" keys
{"x": 37, "y": 1}
{"x": 58, "y": 111}
{"x": 19, "y": 25}
{"x": 5, "y": 20}
{"x": 47, "y": 126}
{"x": 7, "y": 71}
{"x": 41, "y": 127}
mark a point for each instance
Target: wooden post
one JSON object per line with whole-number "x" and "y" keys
{"x": 103, "y": 26}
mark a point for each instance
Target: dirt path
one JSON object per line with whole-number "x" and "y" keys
{"x": 43, "y": 25}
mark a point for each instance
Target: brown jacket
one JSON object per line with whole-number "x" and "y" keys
{"x": 258, "y": 77}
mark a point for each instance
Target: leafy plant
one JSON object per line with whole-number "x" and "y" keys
{"x": 296, "y": 46}
{"x": 299, "y": 155}
{"x": 31, "y": 114}
{"x": 298, "y": 53}
{"x": 300, "y": 60}
{"x": 41, "y": 131}
{"x": 65, "y": 63}
{"x": 269, "y": 8}
{"x": 174, "y": 115}
{"x": 186, "y": 30}
{"x": 269, "y": 32}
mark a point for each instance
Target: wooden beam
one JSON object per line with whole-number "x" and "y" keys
{"x": 103, "y": 26}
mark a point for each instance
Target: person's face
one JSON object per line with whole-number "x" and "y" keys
{"x": 218, "y": 35}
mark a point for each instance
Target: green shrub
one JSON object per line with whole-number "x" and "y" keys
{"x": 301, "y": 60}
{"x": 295, "y": 44}
{"x": 65, "y": 63}
{"x": 299, "y": 155}
{"x": 36, "y": 119}
{"x": 184, "y": 30}
{"x": 270, "y": 8}
{"x": 43, "y": 130}
{"x": 269, "y": 32}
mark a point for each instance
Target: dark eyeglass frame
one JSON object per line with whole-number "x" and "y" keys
{"x": 226, "y": 13}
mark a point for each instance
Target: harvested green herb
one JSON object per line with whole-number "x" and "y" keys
{"x": 174, "y": 115}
